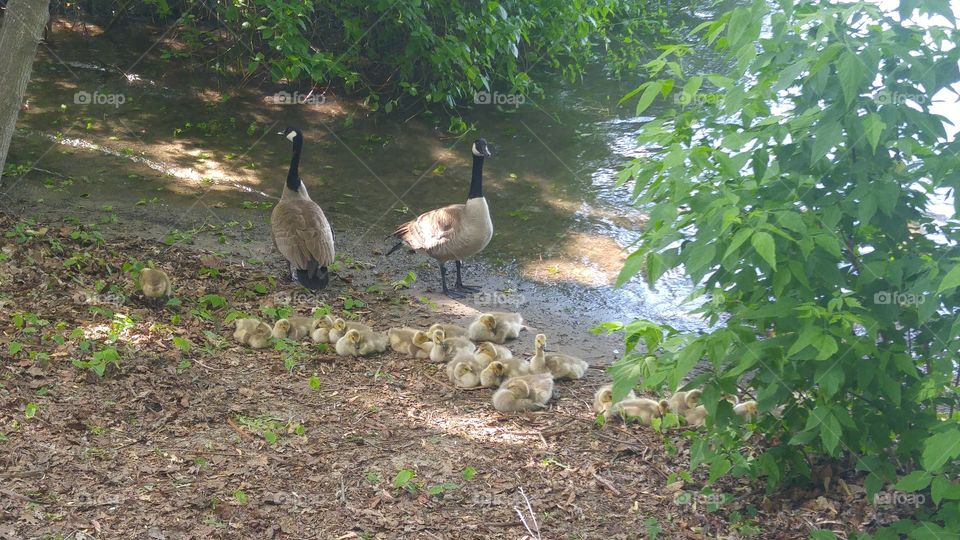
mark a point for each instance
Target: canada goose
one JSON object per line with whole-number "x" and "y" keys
{"x": 496, "y": 327}
{"x": 746, "y": 410}
{"x": 488, "y": 352}
{"x": 295, "y": 328}
{"x": 603, "y": 398}
{"x": 321, "y": 329}
{"x": 560, "y": 366}
{"x": 252, "y": 332}
{"x": 299, "y": 228}
{"x": 154, "y": 283}
{"x": 696, "y": 416}
{"x": 349, "y": 343}
{"x": 340, "y": 327}
{"x": 643, "y": 410}
{"x": 464, "y": 370}
{"x": 493, "y": 375}
{"x": 424, "y": 342}
{"x": 681, "y": 401}
{"x": 454, "y": 232}
{"x": 401, "y": 341}
{"x": 361, "y": 343}
{"x": 445, "y": 348}
{"x": 524, "y": 393}
{"x": 449, "y": 330}
{"x": 498, "y": 371}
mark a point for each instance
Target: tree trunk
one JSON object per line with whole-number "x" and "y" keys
{"x": 19, "y": 36}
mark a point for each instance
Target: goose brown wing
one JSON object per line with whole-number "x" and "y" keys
{"x": 432, "y": 229}
{"x": 302, "y": 233}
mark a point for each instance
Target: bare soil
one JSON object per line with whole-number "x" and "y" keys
{"x": 220, "y": 441}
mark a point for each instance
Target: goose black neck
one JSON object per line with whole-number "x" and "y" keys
{"x": 293, "y": 176}
{"x": 476, "y": 182}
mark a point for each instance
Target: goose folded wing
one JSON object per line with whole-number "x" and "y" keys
{"x": 432, "y": 229}
{"x": 302, "y": 234}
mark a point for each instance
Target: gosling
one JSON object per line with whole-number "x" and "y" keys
{"x": 155, "y": 284}
{"x": 445, "y": 348}
{"x": 560, "y": 366}
{"x": 401, "y": 341}
{"x": 449, "y": 330}
{"x": 488, "y": 352}
{"x": 252, "y": 332}
{"x": 524, "y": 393}
{"x": 603, "y": 398}
{"x": 340, "y": 327}
{"x": 464, "y": 370}
{"x": 681, "y": 401}
{"x": 360, "y": 343}
{"x": 496, "y": 327}
{"x": 321, "y": 329}
{"x": 642, "y": 410}
{"x": 295, "y": 328}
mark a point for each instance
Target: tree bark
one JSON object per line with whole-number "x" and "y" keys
{"x": 21, "y": 32}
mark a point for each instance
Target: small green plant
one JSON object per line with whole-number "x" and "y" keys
{"x": 407, "y": 280}
{"x": 372, "y": 477}
{"x": 240, "y": 496}
{"x": 99, "y": 361}
{"x": 350, "y": 303}
{"x": 30, "y": 410}
{"x": 405, "y": 480}
{"x": 314, "y": 382}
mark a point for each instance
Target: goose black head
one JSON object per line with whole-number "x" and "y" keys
{"x": 480, "y": 148}
{"x": 292, "y": 134}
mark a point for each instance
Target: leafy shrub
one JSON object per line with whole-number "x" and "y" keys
{"x": 794, "y": 191}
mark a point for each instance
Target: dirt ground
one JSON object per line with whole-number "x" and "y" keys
{"x": 209, "y": 439}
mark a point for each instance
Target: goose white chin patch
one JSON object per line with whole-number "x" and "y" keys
{"x": 293, "y": 135}
{"x": 476, "y": 151}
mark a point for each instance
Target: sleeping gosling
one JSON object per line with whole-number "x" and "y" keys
{"x": 154, "y": 283}
{"x": 449, "y": 330}
{"x": 321, "y": 329}
{"x": 493, "y": 375}
{"x": 643, "y": 410}
{"x": 401, "y": 340}
{"x": 340, "y": 327}
{"x": 496, "y": 327}
{"x": 254, "y": 333}
{"x": 464, "y": 370}
{"x": 488, "y": 352}
{"x": 603, "y": 398}
{"x": 682, "y": 401}
{"x": 445, "y": 348}
{"x": 361, "y": 343}
{"x": 424, "y": 342}
{"x": 560, "y": 366}
{"x": 525, "y": 393}
{"x": 295, "y": 328}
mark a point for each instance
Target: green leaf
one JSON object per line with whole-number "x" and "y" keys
{"x": 764, "y": 245}
{"x": 851, "y": 71}
{"x": 873, "y": 127}
{"x": 940, "y": 448}
{"x": 830, "y": 432}
{"x": 14, "y": 347}
{"x": 270, "y": 437}
{"x": 914, "y": 481}
{"x": 649, "y": 93}
{"x": 468, "y": 473}
{"x": 30, "y": 410}
{"x": 951, "y": 280}
{"x": 822, "y": 534}
{"x": 944, "y": 489}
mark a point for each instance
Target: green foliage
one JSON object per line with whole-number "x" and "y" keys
{"x": 442, "y": 51}
{"x": 405, "y": 480}
{"x": 793, "y": 191}
{"x": 98, "y": 361}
